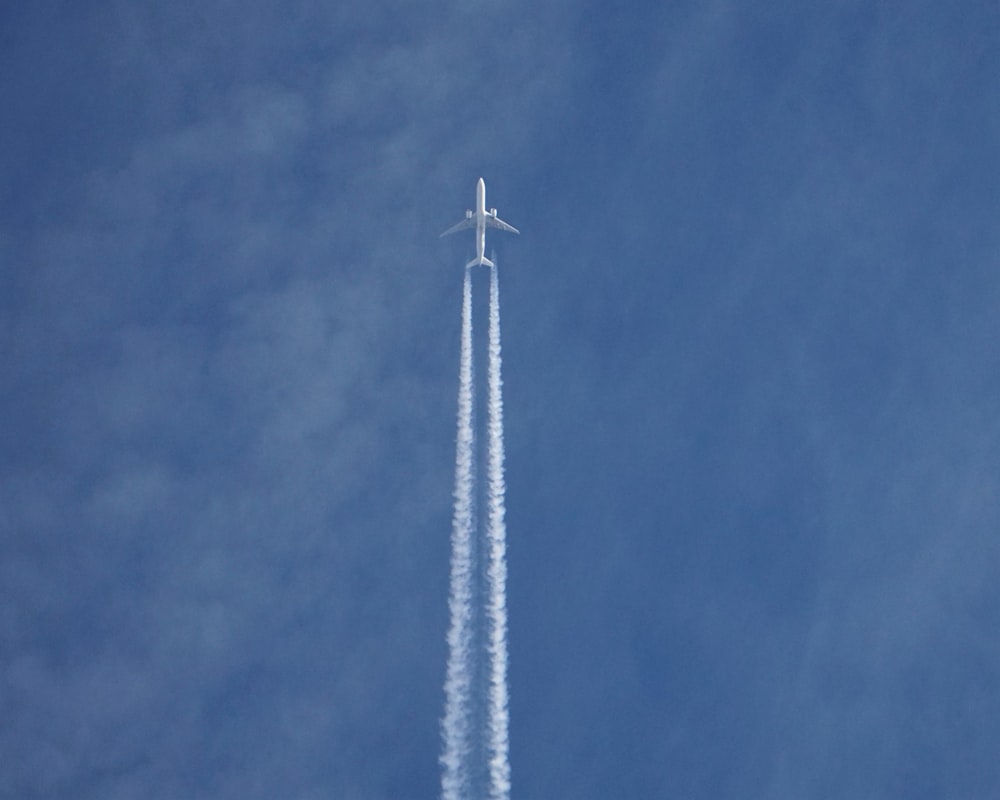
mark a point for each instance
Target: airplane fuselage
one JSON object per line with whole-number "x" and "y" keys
{"x": 481, "y": 221}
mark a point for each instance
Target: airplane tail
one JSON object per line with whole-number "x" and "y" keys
{"x": 477, "y": 261}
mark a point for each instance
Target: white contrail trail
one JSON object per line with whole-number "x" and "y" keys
{"x": 496, "y": 610}
{"x": 456, "y": 725}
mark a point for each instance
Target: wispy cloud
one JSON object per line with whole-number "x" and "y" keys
{"x": 207, "y": 346}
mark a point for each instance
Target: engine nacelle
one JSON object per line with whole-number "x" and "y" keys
{"x": 468, "y": 213}
{"x": 493, "y": 212}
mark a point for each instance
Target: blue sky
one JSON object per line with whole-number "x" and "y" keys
{"x": 750, "y": 326}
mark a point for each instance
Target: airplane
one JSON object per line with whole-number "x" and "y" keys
{"x": 481, "y": 219}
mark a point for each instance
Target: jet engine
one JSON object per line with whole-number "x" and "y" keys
{"x": 493, "y": 212}
{"x": 468, "y": 213}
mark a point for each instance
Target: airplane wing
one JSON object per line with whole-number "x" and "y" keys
{"x": 468, "y": 222}
{"x": 493, "y": 222}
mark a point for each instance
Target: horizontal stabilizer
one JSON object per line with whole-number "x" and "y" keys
{"x": 477, "y": 261}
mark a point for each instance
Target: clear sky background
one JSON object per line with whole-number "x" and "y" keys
{"x": 751, "y": 337}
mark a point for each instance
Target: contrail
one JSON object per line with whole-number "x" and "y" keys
{"x": 456, "y": 725}
{"x": 496, "y": 609}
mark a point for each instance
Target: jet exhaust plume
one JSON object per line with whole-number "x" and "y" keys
{"x": 496, "y": 609}
{"x": 456, "y": 725}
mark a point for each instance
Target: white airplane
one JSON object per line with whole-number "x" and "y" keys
{"x": 480, "y": 219}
